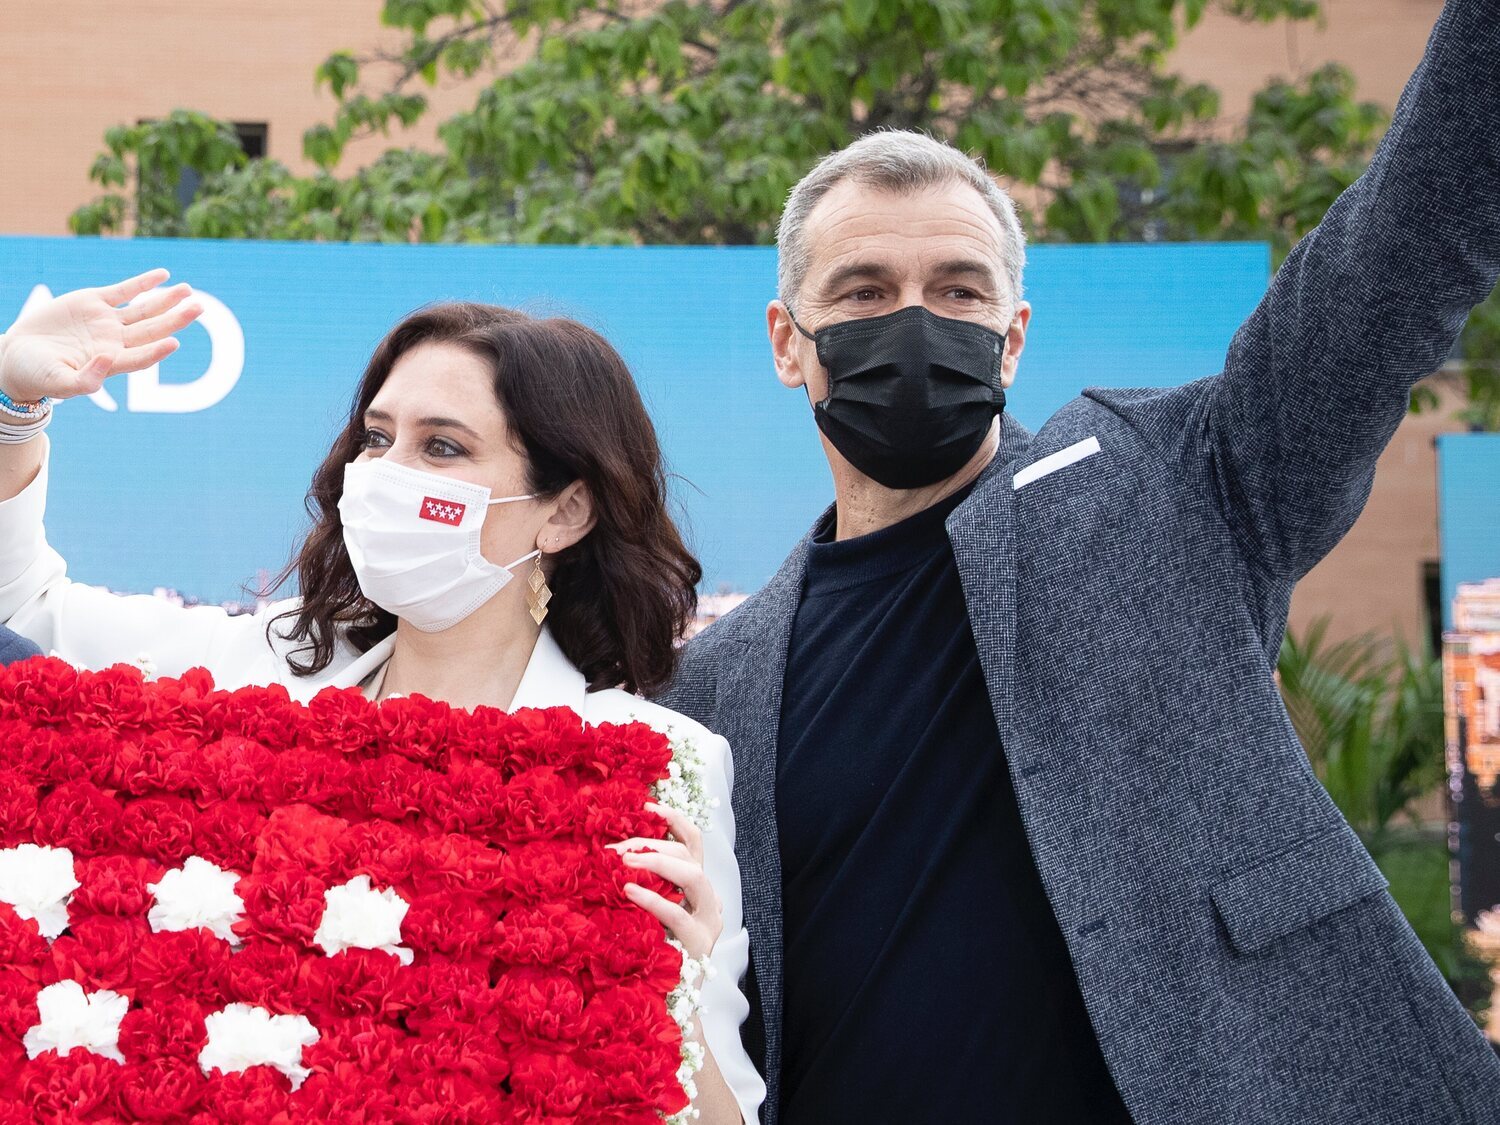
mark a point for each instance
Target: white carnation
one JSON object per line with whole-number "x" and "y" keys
{"x": 197, "y": 895}
{"x": 241, "y": 1036}
{"x": 37, "y": 882}
{"x": 356, "y": 916}
{"x": 71, "y": 1017}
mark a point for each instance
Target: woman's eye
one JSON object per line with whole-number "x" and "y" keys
{"x": 373, "y": 439}
{"x": 441, "y": 447}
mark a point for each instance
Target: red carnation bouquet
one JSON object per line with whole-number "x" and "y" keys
{"x": 225, "y": 906}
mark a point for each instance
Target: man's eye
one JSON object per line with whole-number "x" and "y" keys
{"x": 865, "y": 295}
{"x": 962, "y": 294}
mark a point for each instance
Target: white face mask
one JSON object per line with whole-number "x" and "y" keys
{"x": 413, "y": 538}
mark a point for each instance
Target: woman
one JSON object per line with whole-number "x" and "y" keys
{"x": 476, "y": 434}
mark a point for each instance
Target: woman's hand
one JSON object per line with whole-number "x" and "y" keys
{"x": 70, "y": 345}
{"x": 699, "y": 919}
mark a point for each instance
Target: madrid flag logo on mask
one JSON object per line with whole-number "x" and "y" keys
{"x": 442, "y": 511}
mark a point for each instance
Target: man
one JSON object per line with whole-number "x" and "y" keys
{"x": 1024, "y": 830}
{"x": 15, "y": 647}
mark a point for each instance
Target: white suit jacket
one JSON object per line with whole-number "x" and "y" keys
{"x": 93, "y": 628}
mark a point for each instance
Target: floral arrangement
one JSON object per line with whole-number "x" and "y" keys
{"x": 225, "y": 906}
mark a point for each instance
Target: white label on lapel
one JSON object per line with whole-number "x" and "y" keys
{"x": 1054, "y": 461}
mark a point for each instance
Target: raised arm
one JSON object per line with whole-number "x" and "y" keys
{"x": 1319, "y": 377}
{"x": 63, "y": 349}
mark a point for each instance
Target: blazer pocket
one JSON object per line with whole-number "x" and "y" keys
{"x": 1293, "y": 890}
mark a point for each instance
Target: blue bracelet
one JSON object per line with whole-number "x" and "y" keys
{"x": 23, "y": 409}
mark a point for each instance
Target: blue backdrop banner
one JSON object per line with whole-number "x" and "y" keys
{"x": 192, "y": 477}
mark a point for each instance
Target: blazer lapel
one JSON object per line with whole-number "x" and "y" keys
{"x": 748, "y": 710}
{"x": 982, "y": 532}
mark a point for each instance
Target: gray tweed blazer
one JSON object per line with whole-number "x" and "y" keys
{"x": 1239, "y": 955}
{"x": 15, "y": 647}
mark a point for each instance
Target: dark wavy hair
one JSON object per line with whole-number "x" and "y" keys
{"x": 624, "y": 593}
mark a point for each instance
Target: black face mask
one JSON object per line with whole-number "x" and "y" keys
{"x": 911, "y": 395}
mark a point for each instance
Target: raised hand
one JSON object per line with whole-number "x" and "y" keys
{"x": 70, "y": 345}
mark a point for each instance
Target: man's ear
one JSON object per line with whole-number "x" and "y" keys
{"x": 572, "y": 519}
{"x": 1015, "y": 344}
{"x": 784, "y": 349}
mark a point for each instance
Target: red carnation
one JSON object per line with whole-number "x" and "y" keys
{"x": 627, "y": 942}
{"x": 385, "y": 852}
{"x": 262, "y": 714}
{"x": 161, "y": 762}
{"x": 633, "y": 751}
{"x": 471, "y": 799}
{"x": 348, "y": 1095}
{"x": 40, "y": 690}
{"x": 309, "y": 777}
{"x": 282, "y": 904}
{"x": 234, "y": 768}
{"x": 161, "y": 1089}
{"x": 450, "y": 862}
{"x": 540, "y": 1004}
{"x": 99, "y": 952}
{"x": 18, "y": 804}
{"x": 176, "y": 963}
{"x": 392, "y": 788}
{"x": 258, "y": 1094}
{"x": 170, "y": 1027}
{"x": 182, "y": 704}
{"x": 113, "y": 884}
{"x": 226, "y": 833}
{"x": 546, "y": 935}
{"x": 343, "y": 721}
{"x": 264, "y": 973}
{"x": 415, "y": 728}
{"x": 77, "y": 815}
{"x": 113, "y": 699}
{"x": 550, "y": 1084}
{"x": 452, "y": 1099}
{"x": 18, "y": 989}
{"x": 299, "y": 838}
{"x": 22, "y": 946}
{"x": 365, "y": 1043}
{"x": 356, "y": 982}
{"x": 536, "y": 805}
{"x": 553, "y": 737}
{"x": 160, "y": 828}
{"x": 457, "y": 928}
{"x": 67, "y": 1088}
{"x": 86, "y": 755}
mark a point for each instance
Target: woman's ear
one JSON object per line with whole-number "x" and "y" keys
{"x": 571, "y": 519}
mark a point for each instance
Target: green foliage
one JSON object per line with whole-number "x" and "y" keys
{"x": 687, "y": 121}
{"x": 1371, "y": 719}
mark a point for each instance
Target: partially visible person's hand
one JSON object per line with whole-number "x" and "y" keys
{"x": 72, "y": 343}
{"x": 699, "y": 919}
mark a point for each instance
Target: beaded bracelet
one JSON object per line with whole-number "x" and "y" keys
{"x": 12, "y": 434}
{"x": 27, "y": 410}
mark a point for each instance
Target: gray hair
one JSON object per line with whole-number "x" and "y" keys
{"x": 899, "y": 161}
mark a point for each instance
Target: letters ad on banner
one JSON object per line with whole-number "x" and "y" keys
{"x": 1469, "y": 480}
{"x": 189, "y": 479}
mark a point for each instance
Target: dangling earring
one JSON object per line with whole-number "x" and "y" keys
{"x": 540, "y": 593}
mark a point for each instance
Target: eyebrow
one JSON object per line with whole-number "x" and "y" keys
{"x": 875, "y": 271}
{"x": 430, "y": 422}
